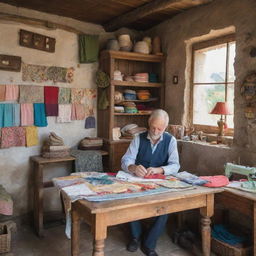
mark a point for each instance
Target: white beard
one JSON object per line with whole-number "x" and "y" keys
{"x": 155, "y": 137}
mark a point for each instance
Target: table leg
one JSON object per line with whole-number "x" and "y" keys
{"x": 254, "y": 228}
{"x": 75, "y": 236}
{"x": 38, "y": 199}
{"x": 98, "y": 248}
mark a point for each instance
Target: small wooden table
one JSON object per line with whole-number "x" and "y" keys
{"x": 241, "y": 201}
{"x": 101, "y": 215}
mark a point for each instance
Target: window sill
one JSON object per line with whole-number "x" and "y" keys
{"x": 203, "y": 143}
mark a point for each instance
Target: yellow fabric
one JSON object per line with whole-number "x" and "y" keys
{"x": 31, "y": 136}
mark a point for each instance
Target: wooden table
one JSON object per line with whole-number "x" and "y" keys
{"x": 101, "y": 215}
{"x": 241, "y": 201}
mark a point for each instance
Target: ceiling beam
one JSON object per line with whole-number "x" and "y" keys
{"x": 145, "y": 10}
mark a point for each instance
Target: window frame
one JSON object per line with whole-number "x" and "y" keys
{"x": 198, "y": 46}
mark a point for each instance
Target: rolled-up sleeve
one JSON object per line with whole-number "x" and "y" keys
{"x": 131, "y": 154}
{"x": 173, "y": 165}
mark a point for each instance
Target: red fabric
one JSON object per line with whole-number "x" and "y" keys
{"x": 111, "y": 173}
{"x": 215, "y": 181}
{"x": 52, "y": 109}
{"x": 155, "y": 176}
{"x": 51, "y": 94}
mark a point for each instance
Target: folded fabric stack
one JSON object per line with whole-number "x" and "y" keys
{"x": 131, "y": 130}
{"x": 130, "y": 94}
{"x": 130, "y": 107}
{"x": 153, "y": 78}
{"x": 119, "y": 109}
{"x": 118, "y": 75}
{"x": 143, "y": 94}
{"x": 90, "y": 143}
{"x": 54, "y": 147}
{"x": 141, "y": 77}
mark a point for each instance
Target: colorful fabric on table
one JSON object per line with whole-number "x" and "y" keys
{"x": 155, "y": 176}
{"x": 64, "y": 113}
{"x": 13, "y": 137}
{"x": 31, "y": 94}
{"x": 8, "y": 115}
{"x": 90, "y": 122}
{"x": 27, "y": 114}
{"x": 11, "y": 92}
{"x": 16, "y": 114}
{"x": 215, "y": 181}
{"x": 51, "y": 94}
{"x": 77, "y": 95}
{"x": 31, "y": 136}
{"x": 64, "y": 95}
{"x": 2, "y": 92}
{"x": 190, "y": 178}
{"x": 52, "y": 109}
{"x": 40, "y": 119}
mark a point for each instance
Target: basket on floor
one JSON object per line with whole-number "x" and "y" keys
{"x": 5, "y": 239}
{"x": 224, "y": 249}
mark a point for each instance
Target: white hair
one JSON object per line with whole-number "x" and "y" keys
{"x": 159, "y": 113}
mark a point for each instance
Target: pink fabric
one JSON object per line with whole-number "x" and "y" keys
{"x": 13, "y": 137}
{"x": 78, "y": 112}
{"x": 215, "y": 181}
{"x": 64, "y": 113}
{"x": 27, "y": 114}
{"x": 11, "y": 92}
{"x": 2, "y": 92}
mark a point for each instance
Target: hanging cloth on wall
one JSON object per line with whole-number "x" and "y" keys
{"x": 8, "y": 115}
{"x": 78, "y": 112}
{"x": 31, "y": 136}
{"x": 11, "y": 92}
{"x": 16, "y": 114}
{"x": 40, "y": 119}
{"x": 1, "y": 115}
{"x": 31, "y": 94}
{"x": 90, "y": 122}
{"x": 88, "y": 48}
{"x": 77, "y": 95}
{"x": 64, "y": 113}
{"x": 27, "y": 114}
{"x": 102, "y": 81}
{"x": 13, "y": 137}
{"x": 64, "y": 95}
{"x": 2, "y": 92}
{"x": 51, "y": 100}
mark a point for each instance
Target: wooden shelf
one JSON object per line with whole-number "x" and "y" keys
{"x": 149, "y": 100}
{"x": 132, "y": 114}
{"x": 132, "y": 56}
{"x": 135, "y": 84}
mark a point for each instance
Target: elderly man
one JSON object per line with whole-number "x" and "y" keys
{"x": 151, "y": 152}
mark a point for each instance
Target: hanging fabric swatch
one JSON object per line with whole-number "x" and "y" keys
{"x": 40, "y": 119}
{"x": 88, "y": 48}
{"x": 51, "y": 100}
{"x": 31, "y": 94}
{"x": 90, "y": 122}
{"x": 27, "y": 114}
{"x": 11, "y": 92}
{"x": 64, "y": 113}
{"x": 8, "y": 115}
{"x": 31, "y": 136}
{"x": 90, "y": 103}
{"x": 77, "y": 95}
{"x": 2, "y": 107}
{"x": 40, "y": 74}
{"x": 13, "y": 137}
{"x": 64, "y": 95}
{"x": 16, "y": 114}
{"x": 2, "y": 92}
{"x": 78, "y": 112}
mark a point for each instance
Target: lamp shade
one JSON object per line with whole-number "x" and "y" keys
{"x": 221, "y": 108}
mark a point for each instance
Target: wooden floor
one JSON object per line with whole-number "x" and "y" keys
{"x": 55, "y": 243}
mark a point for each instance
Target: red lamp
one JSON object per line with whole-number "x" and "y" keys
{"x": 221, "y": 108}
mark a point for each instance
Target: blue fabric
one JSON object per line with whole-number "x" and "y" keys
{"x": 219, "y": 232}
{"x": 16, "y": 114}
{"x": 8, "y": 115}
{"x": 160, "y": 156}
{"x": 40, "y": 118}
{"x": 153, "y": 234}
{"x": 2, "y": 115}
{"x": 90, "y": 122}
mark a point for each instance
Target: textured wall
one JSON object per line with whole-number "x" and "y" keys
{"x": 218, "y": 18}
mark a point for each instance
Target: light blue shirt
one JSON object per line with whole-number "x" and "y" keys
{"x": 172, "y": 166}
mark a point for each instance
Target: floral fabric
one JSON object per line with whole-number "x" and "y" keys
{"x": 31, "y": 94}
{"x": 64, "y": 113}
{"x": 77, "y": 95}
{"x": 91, "y": 101}
{"x": 13, "y": 137}
{"x": 64, "y": 95}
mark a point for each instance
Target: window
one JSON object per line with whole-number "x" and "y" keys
{"x": 213, "y": 81}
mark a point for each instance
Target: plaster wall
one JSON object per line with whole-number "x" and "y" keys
{"x": 218, "y": 18}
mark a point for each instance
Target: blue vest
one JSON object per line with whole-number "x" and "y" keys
{"x": 160, "y": 155}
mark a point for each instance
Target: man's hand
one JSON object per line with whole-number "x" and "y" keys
{"x": 154, "y": 170}
{"x": 138, "y": 170}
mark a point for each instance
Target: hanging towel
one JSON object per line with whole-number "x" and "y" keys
{"x": 27, "y": 114}
{"x": 88, "y": 48}
{"x": 40, "y": 119}
{"x": 2, "y": 115}
{"x": 31, "y": 94}
{"x": 64, "y": 113}
{"x": 11, "y": 92}
{"x": 51, "y": 109}
{"x": 90, "y": 122}
{"x": 8, "y": 115}
{"x": 16, "y": 114}
{"x": 64, "y": 95}
{"x": 87, "y": 160}
{"x": 51, "y": 94}
{"x": 2, "y": 92}
{"x": 31, "y": 136}
{"x": 80, "y": 111}
{"x": 13, "y": 137}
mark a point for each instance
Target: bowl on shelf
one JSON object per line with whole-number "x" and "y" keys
{"x": 143, "y": 94}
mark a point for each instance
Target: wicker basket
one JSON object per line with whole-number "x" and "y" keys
{"x": 5, "y": 239}
{"x": 224, "y": 249}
